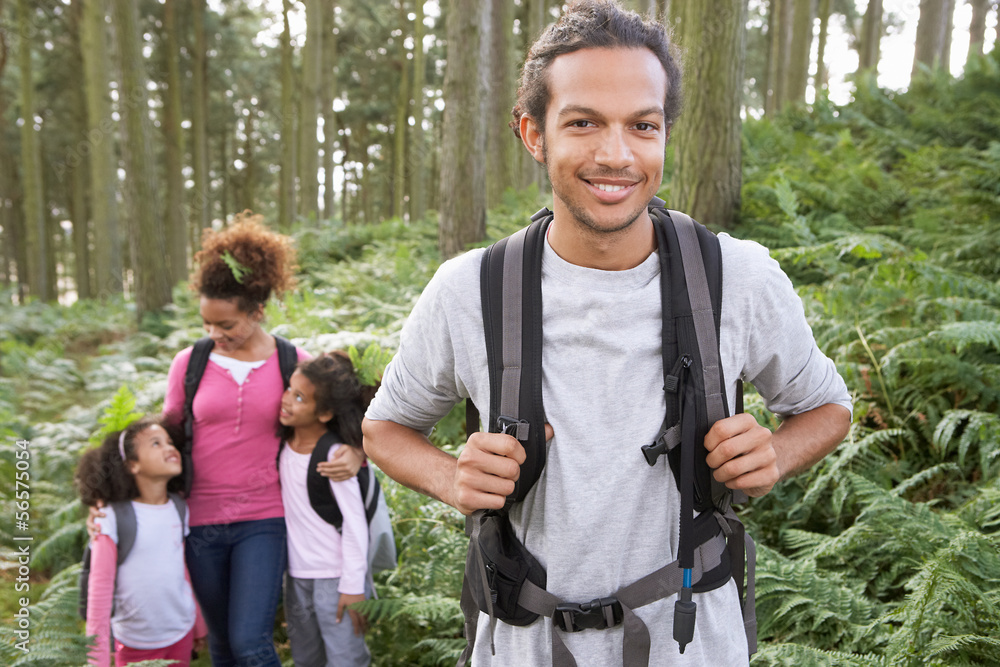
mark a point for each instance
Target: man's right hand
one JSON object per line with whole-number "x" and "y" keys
{"x": 487, "y": 468}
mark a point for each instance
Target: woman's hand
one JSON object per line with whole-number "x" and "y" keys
{"x": 345, "y": 464}
{"x": 93, "y": 528}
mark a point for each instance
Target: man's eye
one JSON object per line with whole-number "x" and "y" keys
{"x": 645, "y": 127}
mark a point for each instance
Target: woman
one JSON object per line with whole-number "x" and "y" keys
{"x": 236, "y": 552}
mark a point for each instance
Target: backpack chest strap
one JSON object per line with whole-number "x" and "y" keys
{"x": 618, "y": 608}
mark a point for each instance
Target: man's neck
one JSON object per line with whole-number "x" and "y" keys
{"x": 606, "y": 251}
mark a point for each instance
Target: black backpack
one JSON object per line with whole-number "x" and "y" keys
{"x": 125, "y": 519}
{"x": 381, "y": 544}
{"x": 288, "y": 358}
{"x": 502, "y": 579}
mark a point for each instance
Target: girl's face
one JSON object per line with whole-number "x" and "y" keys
{"x": 227, "y": 325}
{"x": 298, "y": 404}
{"x": 157, "y": 458}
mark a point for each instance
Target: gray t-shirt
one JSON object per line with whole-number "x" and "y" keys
{"x": 599, "y": 517}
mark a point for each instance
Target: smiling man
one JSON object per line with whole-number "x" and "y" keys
{"x": 598, "y": 94}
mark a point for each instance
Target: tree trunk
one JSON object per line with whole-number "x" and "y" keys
{"x": 31, "y": 164}
{"x": 463, "y": 192}
{"x": 821, "y": 83}
{"x": 871, "y": 36}
{"x": 312, "y": 61}
{"x": 201, "y": 204}
{"x": 801, "y": 47}
{"x": 329, "y": 118}
{"x": 173, "y": 135}
{"x": 146, "y": 238}
{"x": 501, "y": 142}
{"x": 418, "y": 148}
{"x": 107, "y": 256}
{"x": 286, "y": 199}
{"x": 780, "y": 38}
{"x": 931, "y": 30}
{"x": 77, "y": 198}
{"x": 977, "y": 27}
{"x": 707, "y": 161}
{"x": 400, "y": 130}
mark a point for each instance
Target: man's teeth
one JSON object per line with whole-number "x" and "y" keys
{"x": 608, "y": 188}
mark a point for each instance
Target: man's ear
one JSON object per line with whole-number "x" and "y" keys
{"x": 532, "y": 138}
{"x": 667, "y": 140}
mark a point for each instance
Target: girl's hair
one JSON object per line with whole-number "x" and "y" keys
{"x": 103, "y": 475}
{"x": 244, "y": 261}
{"x": 337, "y": 389}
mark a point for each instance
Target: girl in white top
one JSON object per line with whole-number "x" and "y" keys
{"x": 327, "y": 569}
{"x": 146, "y": 603}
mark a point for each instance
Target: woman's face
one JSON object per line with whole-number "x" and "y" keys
{"x": 227, "y": 325}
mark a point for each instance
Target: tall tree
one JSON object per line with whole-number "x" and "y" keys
{"x": 328, "y": 94}
{"x": 824, "y": 30}
{"x": 977, "y": 26}
{"x": 77, "y": 172}
{"x": 312, "y": 60}
{"x": 871, "y": 35}
{"x": 147, "y": 241}
{"x": 799, "y": 53}
{"x": 708, "y": 158}
{"x": 286, "y": 200}
{"x": 500, "y": 142}
{"x": 107, "y": 255}
{"x": 931, "y": 34}
{"x": 534, "y": 173}
{"x": 780, "y": 38}
{"x": 418, "y": 148}
{"x": 31, "y": 165}
{"x": 174, "y": 218}
{"x": 201, "y": 203}
{"x": 463, "y": 192}
{"x": 400, "y": 130}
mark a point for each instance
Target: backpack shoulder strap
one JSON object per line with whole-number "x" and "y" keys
{"x": 125, "y": 521}
{"x": 320, "y": 494}
{"x": 511, "y": 291}
{"x": 197, "y": 363}
{"x": 181, "y": 506}
{"x": 288, "y": 358}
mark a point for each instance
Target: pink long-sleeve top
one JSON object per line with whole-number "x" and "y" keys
{"x": 235, "y": 440}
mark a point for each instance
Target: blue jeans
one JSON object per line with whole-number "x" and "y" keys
{"x": 236, "y": 571}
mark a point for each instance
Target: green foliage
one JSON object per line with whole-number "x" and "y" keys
{"x": 886, "y": 215}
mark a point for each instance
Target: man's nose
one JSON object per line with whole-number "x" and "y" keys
{"x": 614, "y": 150}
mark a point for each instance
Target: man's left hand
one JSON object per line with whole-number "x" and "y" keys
{"x": 742, "y": 456}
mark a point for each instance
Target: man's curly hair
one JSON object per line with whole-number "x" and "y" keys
{"x": 594, "y": 24}
{"x": 244, "y": 261}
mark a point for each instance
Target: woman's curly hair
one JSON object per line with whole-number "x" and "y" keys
{"x": 594, "y": 24}
{"x": 244, "y": 261}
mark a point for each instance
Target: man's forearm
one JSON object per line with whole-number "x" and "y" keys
{"x": 408, "y": 457}
{"x": 804, "y": 439}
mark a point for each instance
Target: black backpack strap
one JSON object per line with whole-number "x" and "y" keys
{"x": 288, "y": 358}
{"x": 197, "y": 363}
{"x": 126, "y": 526}
{"x": 511, "y": 286}
{"x": 320, "y": 494}
{"x": 181, "y": 506}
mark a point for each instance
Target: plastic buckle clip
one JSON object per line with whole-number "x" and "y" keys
{"x": 597, "y": 614}
{"x": 515, "y": 427}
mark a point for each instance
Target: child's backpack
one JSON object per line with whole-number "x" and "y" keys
{"x": 381, "y": 541}
{"x": 125, "y": 519}
{"x": 502, "y": 578}
{"x": 288, "y": 358}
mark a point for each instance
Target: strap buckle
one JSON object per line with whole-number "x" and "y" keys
{"x": 598, "y": 614}
{"x": 516, "y": 427}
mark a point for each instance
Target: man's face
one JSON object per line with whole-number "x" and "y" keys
{"x": 604, "y": 136}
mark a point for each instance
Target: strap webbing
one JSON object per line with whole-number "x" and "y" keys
{"x": 510, "y": 379}
{"x": 658, "y": 585}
